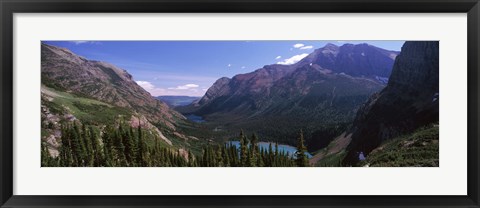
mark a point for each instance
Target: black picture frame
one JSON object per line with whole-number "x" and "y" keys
{"x": 10, "y": 7}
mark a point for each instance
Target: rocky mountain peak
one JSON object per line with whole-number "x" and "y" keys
{"x": 330, "y": 48}
{"x": 360, "y": 60}
{"x": 221, "y": 86}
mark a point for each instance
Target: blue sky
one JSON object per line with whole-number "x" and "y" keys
{"x": 191, "y": 67}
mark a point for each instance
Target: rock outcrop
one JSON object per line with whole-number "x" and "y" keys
{"x": 409, "y": 101}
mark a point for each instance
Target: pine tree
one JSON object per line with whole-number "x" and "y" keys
{"x": 86, "y": 146}
{"x": 233, "y": 156}
{"x": 120, "y": 148}
{"x": 301, "y": 158}
{"x": 141, "y": 148}
{"x": 66, "y": 159}
{"x": 226, "y": 156}
{"x": 95, "y": 149}
{"x": 191, "y": 161}
{"x": 157, "y": 160}
{"x": 212, "y": 157}
{"x": 77, "y": 149}
{"x": 253, "y": 151}
{"x": 130, "y": 146}
{"x": 47, "y": 160}
{"x": 270, "y": 155}
{"x": 277, "y": 157}
{"x": 108, "y": 147}
{"x": 243, "y": 150}
{"x": 219, "y": 158}
{"x": 260, "y": 157}
{"x": 206, "y": 161}
{"x": 85, "y": 137}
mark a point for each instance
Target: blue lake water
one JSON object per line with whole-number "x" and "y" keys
{"x": 195, "y": 118}
{"x": 281, "y": 147}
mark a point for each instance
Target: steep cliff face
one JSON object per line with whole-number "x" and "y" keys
{"x": 409, "y": 101}
{"x": 66, "y": 71}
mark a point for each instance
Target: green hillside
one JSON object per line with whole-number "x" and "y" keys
{"x": 417, "y": 149}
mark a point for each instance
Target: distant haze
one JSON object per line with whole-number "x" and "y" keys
{"x": 176, "y": 100}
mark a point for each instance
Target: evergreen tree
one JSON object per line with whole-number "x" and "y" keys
{"x": 130, "y": 146}
{"x": 108, "y": 147}
{"x": 234, "y": 156}
{"x": 77, "y": 147}
{"x": 219, "y": 158}
{"x": 212, "y": 158}
{"x": 243, "y": 150}
{"x": 260, "y": 157}
{"x": 141, "y": 148}
{"x": 277, "y": 157}
{"x": 301, "y": 158}
{"x": 120, "y": 158}
{"x": 226, "y": 156}
{"x": 120, "y": 145}
{"x": 66, "y": 158}
{"x": 191, "y": 161}
{"x": 47, "y": 160}
{"x": 89, "y": 156}
{"x": 270, "y": 155}
{"x": 95, "y": 149}
{"x": 253, "y": 151}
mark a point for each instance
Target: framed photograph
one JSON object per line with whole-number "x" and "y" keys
{"x": 269, "y": 103}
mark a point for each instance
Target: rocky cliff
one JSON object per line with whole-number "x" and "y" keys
{"x": 409, "y": 101}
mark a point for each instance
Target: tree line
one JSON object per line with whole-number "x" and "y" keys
{"x": 115, "y": 146}
{"x": 124, "y": 146}
{"x": 249, "y": 154}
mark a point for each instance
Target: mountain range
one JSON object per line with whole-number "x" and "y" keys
{"x": 346, "y": 99}
{"x": 321, "y": 94}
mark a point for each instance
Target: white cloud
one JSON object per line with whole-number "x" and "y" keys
{"x": 184, "y": 87}
{"x": 306, "y": 47}
{"x": 293, "y": 59}
{"x": 302, "y": 46}
{"x": 78, "y": 42}
{"x": 146, "y": 85}
{"x": 229, "y": 65}
{"x": 278, "y": 57}
{"x": 298, "y": 45}
{"x": 243, "y": 67}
